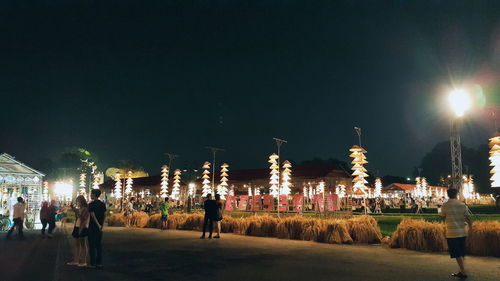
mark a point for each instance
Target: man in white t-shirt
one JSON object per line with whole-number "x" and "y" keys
{"x": 18, "y": 218}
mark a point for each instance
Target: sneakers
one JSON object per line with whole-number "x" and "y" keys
{"x": 72, "y": 263}
{"x": 82, "y": 265}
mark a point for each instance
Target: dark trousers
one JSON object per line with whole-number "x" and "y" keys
{"x": 19, "y": 224}
{"x": 51, "y": 223}
{"x": 210, "y": 222}
{"x": 95, "y": 246}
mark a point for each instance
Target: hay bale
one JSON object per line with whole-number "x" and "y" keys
{"x": 192, "y": 222}
{"x": 263, "y": 226}
{"x": 154, "y": 221}
{"x": 313, "y": 230}
{"x": 419, "y": 235}
{"x": 227, "y": 224}
{"x": 484, "y": 239}
{"x": 116, "y": 220}
{"x": 177, "y": 221}
{"x": 139, "y": 219}
{"x": 336, "y": 232}
{"x": 364, "y": 229}
{"x": 241, "y": 226}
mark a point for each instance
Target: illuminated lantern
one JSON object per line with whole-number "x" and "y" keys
{"x": 83, "y": 177}
{"x": 274, "y": 180}
{"x": 222, "y": 187}
{"x": 423, "y": 188}
{"x": 249, "y": 190}
{"x": 164, "y": 182}
{"x": 378, "y": 187}
{"x": 177, "y": 183}
{"x": 118, "y": 186}
{"x": 97, "y": 181}
{"x": 468, "y": 187}
{"x": 417, "y": 192}
{"x": 359, "y": 171}
{"x": 311, "y": 191}
{"x": 286, "y": 178}
{"x": 305, "y": 192}
{"x": 231, "y": 191}
{"x": 256, "y": 191}
{"x": 495, "y": 160}
{"x": 340, "y": 190}
{"x": 191, "y": 189}
{"x": 45, "y": 192}
{"x": 128, "y": 183}
{"x": 320, "y": 188}
{"x": 206, "y": 187}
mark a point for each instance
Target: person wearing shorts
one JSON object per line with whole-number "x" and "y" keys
{"x": 164, "y": 213}
{"x": 457, "y": 216}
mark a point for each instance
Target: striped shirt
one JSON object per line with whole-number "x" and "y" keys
{"x": 456, "y": 215}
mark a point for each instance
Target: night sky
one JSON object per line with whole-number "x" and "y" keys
{"x": 134, "y": 79}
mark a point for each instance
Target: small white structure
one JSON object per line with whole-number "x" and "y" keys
{"x": 19, "y": 180}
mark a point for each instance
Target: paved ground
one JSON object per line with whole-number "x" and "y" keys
{"x": 151, "y": 254}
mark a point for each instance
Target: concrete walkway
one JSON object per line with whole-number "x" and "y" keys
{"x": 152, "y": 254}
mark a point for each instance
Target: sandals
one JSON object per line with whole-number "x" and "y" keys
{"x": 459, "y": 275}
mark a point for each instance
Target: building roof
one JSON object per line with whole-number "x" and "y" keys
{"x": 12, "y": 171}
{"x": 405, "y": 186}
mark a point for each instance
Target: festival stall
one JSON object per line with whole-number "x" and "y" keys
{"x": 19, "y": 180}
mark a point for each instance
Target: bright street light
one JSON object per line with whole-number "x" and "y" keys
{"x": 459, "y": 101}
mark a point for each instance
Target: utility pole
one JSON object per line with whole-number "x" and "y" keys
{"x": 279, "y": 143}
{"x": 214, "y": 151}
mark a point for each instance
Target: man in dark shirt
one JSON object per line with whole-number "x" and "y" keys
{"x": 97, "y": 211}
{"x": 210, "y": 207}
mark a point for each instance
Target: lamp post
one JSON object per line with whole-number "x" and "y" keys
{"x": 459, "y": 102}
{"x": 214, "y": 151}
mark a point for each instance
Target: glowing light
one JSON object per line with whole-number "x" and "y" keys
{"x": 83, "y": 177}
{"x": 378, "y": 187}
{"x": 249, "y": 190}
{"x": 459, "y": 101}
{"x": 45, "y": 192}
{"x": 423, "y": 188}
{"x": 207, "y": 187}
{"x": 320, "y": 188}
{"x": 164, "y": 181}
{"x": 274, "y": 180}
{"x": 63, "y": 190}
{"x": 286, "y": 177}
{"x": 222, "y": 187}
{"x": 495, "y": 160}
{"x": 98, "y": 178}
{"x": 118, "y": 186}
{"x": 191, "y": 189}
{"x": 359, "y": 171}
{"x": 468, "y": 187}
{"x": 340, "y": 190}
{"x": 128, "y": 183}
{"x": 177, "y": 183}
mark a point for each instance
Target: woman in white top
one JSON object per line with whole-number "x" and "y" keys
{"x": 80, "y": 232}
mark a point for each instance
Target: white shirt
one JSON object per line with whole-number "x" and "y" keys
{"x": 19, "y": 209}
{"x": 456, "y": 216}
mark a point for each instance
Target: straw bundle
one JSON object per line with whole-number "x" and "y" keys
{"x": 364, "y": 229}
{"x": 290, "y": 228}
{"x": 139, "y": 219}
{"x": 336, "y": 232}
{"x": 227, "y": 224}
{"x": 177, "y": 221}
{"x": 241, "y": 226}
{"x": 485, "y": 239}
{"x": 116, "y": 220}
{"x": 192, "y": 222}
{"x": 154, "y": 221}
{"x": 264, "y": 226}
{"x": 419, "y": 235}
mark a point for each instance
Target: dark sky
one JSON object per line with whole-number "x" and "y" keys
{"x": 134, "y": 79}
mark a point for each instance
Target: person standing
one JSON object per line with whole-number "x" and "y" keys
{"x": 97, "y": 210}
{"x": 44, "y": 216}
{"x": 51, "y": 220}
{"x": 456, "y": 216}
{"x": 210, "y": 208}
{"x": 18, "y": 218}
{"x": 80, "y": 232}
{"x": 164, "y": 213}
{"x": 218, "y": 215}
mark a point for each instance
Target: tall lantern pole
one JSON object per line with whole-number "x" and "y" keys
{"x": 214, "y": 151}
{"x": 494, "y": 145}
{"x": 279, "y": 143}
{"x": 460, "y": 103}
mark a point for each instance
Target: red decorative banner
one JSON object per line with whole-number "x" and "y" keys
{"x": 331, "y": 202}
{"x": 268, "y": 204}
{"x": 298, "y": 202}
{"x": 243, "y": 203}
{"x": 230, "y": 202}
{"x": 319, "y": 203}
{"x": 283, "y": 203}
{"x": 256, "y": 204}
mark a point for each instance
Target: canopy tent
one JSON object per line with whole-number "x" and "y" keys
{"x": 19, "y": 180}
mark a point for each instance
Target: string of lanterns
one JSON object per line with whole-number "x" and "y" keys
{"x": 206, "y": 188}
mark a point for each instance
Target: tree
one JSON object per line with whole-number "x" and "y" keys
{"x": 436, "y": 165}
